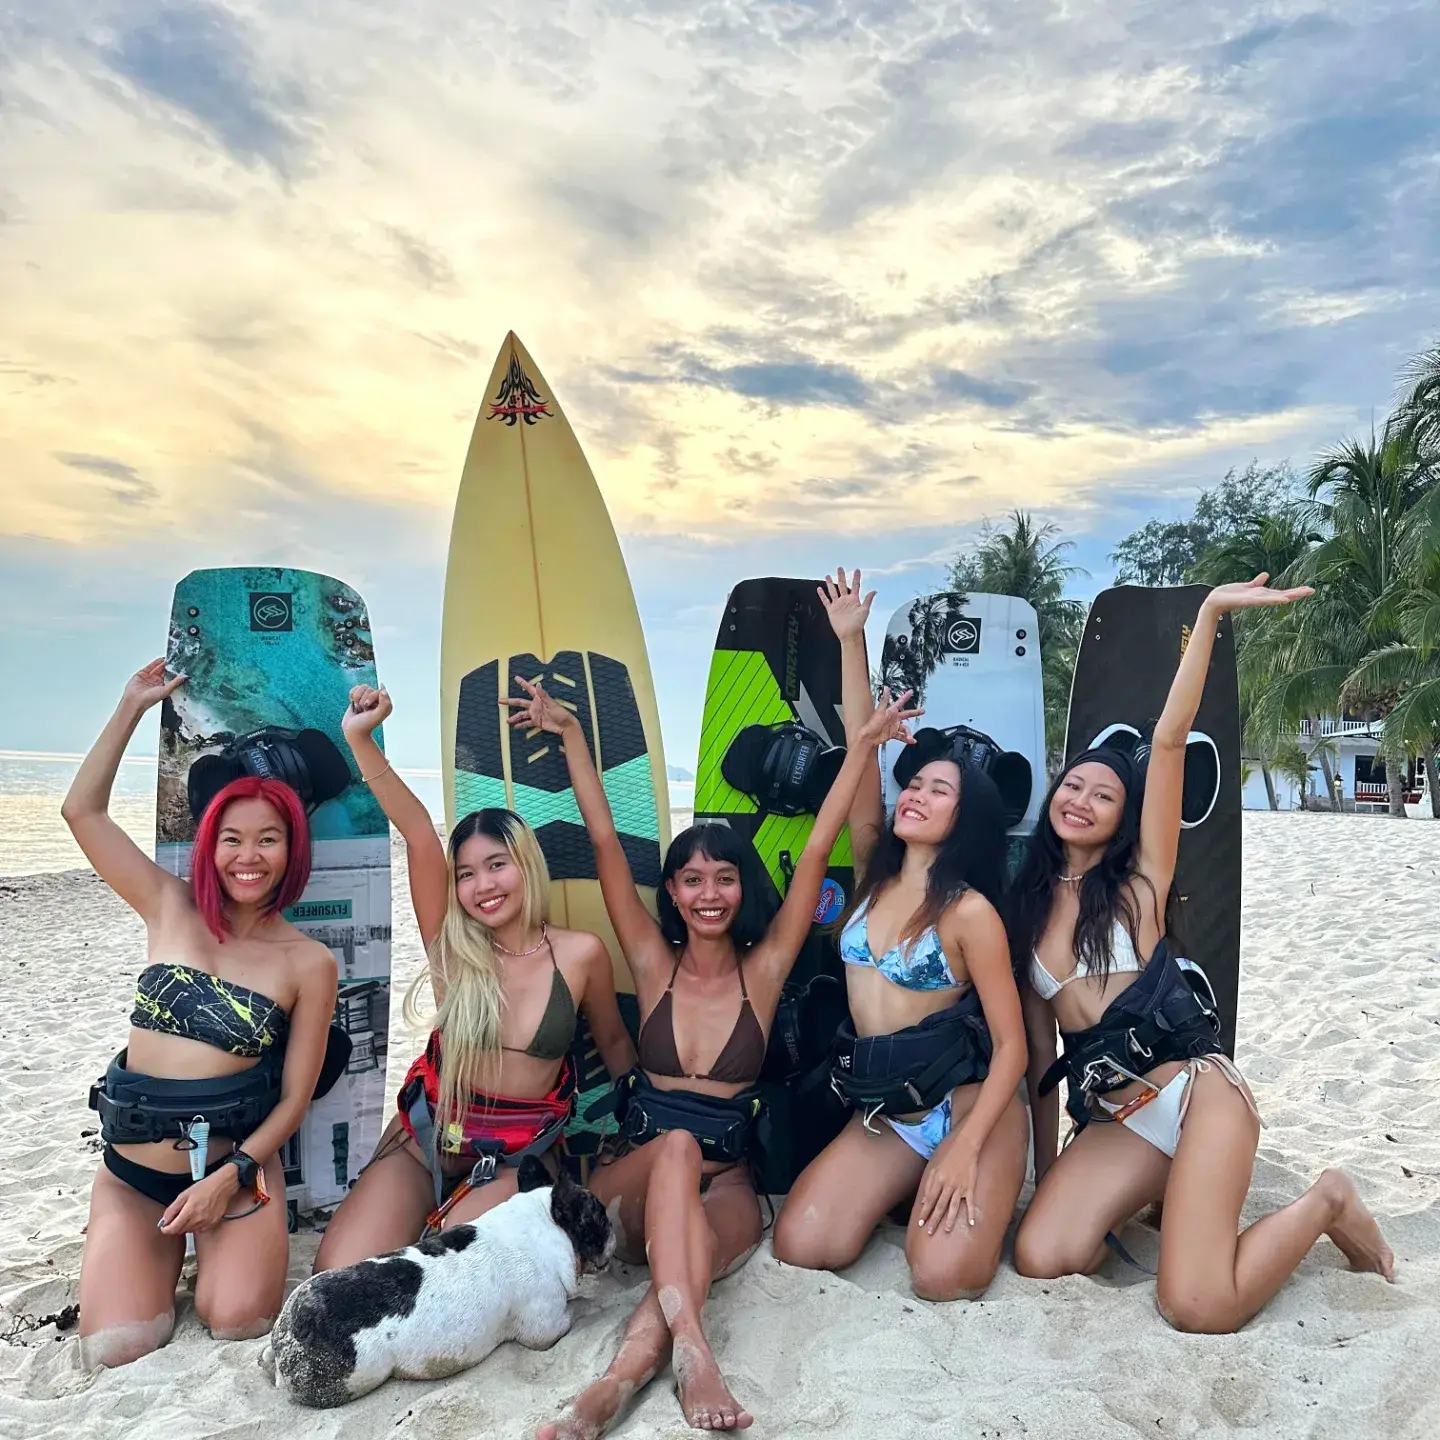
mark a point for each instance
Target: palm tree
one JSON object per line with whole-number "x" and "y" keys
{"x": 1419, "y": 411}
{"x": 1025, "y": 559}
{"x": 1408, "y": 666}
{"x": 1312, "y": 659}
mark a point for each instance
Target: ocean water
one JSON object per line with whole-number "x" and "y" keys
{"x": 34, "y": 839}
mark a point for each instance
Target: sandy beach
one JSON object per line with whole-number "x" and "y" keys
{"x": 1339, "y": 1037}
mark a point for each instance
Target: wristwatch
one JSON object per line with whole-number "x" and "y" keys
{"x": 249, "y": 1170}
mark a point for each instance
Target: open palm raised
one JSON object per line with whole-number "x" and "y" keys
{"x": 1253, "y": 594}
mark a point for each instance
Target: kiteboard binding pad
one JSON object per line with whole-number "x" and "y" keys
{"x": 271, "y": 656}
{"x": 1132, "y": 644}
{"x": 973, "y": 663}
{"x": 771, "y": 742}
{"x": 536, "y": 588}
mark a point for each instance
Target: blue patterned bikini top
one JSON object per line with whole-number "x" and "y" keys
{"x": 918, "y": 964}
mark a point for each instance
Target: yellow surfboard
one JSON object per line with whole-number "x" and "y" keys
{"x": 536, "y": 586}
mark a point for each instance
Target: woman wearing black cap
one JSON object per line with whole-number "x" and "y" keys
{"x": 936, "y": 1056}
{"x": 1090, "y": 900}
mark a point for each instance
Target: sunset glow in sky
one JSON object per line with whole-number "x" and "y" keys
{"x": 815, "y": 282}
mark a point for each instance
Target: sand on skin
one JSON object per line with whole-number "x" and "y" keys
{"x": 1340, "y": 1038}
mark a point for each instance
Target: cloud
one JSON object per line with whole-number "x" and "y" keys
{"x": 805, "y": 278}
{"x": 129, "y": 487}
{"x": 423, "y": 263}
{"x": 199, "y": 59}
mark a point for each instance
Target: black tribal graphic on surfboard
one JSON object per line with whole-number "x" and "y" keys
{"x": 1134, "y": 638}
{"x": 590, "y": 685}
{"x": 517, "y": 398}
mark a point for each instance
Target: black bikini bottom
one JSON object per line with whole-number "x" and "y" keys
{"x": 161, "y": 1186}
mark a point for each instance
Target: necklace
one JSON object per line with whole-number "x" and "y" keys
{"x": 520, "y": 954}
{"x": 1072, "y": 879}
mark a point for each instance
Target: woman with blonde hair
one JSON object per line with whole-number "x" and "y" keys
{"x": 495, "y": 1082}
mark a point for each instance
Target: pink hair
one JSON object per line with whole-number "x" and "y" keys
{"x": 205, "y": 879}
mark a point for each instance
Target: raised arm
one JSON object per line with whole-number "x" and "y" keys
{"x": 635, "y": 928}
{"x": 1165, "y": 774}
{"x": 429, "y": 874}
{"x": 778, "y": 951}
{"x": 117, "y": 859}
{"x": 848, "y": 615}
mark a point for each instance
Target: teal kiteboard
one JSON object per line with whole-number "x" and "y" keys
{"x": 264, "y": 649}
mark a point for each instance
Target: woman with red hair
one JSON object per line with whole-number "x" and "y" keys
{"x": 230, "y": 1023}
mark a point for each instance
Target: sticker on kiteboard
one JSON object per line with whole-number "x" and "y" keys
{"x": 1131, "y": 646}
{"x": 271, "y": 656}
{"x": 973, "y": 660}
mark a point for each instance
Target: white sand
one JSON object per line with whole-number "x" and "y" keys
{"x": 1340, "y": 1037}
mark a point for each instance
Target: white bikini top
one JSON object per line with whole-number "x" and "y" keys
{"x": 1124, "y": 961}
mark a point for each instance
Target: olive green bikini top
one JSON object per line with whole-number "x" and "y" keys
{"x": 555, "y": 1033}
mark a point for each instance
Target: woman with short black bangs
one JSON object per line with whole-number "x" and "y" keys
{"x": 708, "y": 978}
{"x": 1161, "y": 1112}
{"x": 231, "y": 1019}
{"x": 936, "y": 1055}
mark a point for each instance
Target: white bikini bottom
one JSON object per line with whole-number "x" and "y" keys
{"x": 1159, "y": 1118}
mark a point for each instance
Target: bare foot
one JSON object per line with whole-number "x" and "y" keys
{"x": 589, "y": 1414}
{"x": 1354, "y": 1229}
{"x": 704, "y": 1396}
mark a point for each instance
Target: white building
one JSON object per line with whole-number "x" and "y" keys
{"x": 1354, "y": 749}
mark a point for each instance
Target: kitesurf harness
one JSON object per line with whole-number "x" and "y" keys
{"x": 494, "y": 1130}
{"x": 786, "y": 769}
{"x": 308, "y": 761}
{"x": 138, "y": 1109}
{"x": 913, "y": 1069}
{"x": 726, "y": 1130}
{"x": 1168, "y": 1014}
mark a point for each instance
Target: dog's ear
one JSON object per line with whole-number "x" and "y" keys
{"x": 582, "y": 1217}
{"x": 533, "y": 1175}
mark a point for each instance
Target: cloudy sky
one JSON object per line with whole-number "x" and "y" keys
{"x": 815, "y": 282}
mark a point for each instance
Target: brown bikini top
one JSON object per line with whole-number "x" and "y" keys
{"x": 739, "y": 1063}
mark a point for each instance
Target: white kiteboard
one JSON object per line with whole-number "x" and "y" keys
{"x": 972, "y": 660}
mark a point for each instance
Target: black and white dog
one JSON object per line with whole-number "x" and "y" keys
{"x": 443, "y": 1305}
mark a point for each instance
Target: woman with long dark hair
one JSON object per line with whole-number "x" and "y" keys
{"x": 230, "y": 1020}
{"x": 936, "y": 1056}
{"x": 495, "y": 1082}
{"x": 1161, "y": 1112}
{"x": 708, "y": 976}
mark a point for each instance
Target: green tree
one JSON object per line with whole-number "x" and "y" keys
{"x": 1320, "y": 657}
{"x": 1164, "y": 552}
{"x": 1290, "y": 762}
{"x": 1023, "y": 558}
{"x": 1419, "y": 411}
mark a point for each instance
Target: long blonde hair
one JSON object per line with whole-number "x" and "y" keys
{"x": 463, "y": 955}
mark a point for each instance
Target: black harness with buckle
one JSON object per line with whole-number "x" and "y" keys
{"x": 917, "y": 1067}
{"x": 1168, "y": 1014}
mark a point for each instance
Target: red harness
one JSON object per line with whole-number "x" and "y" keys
{"x": 494, "y": 1130}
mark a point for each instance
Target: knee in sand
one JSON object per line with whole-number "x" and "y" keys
{"x": 121, "y": 1344}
